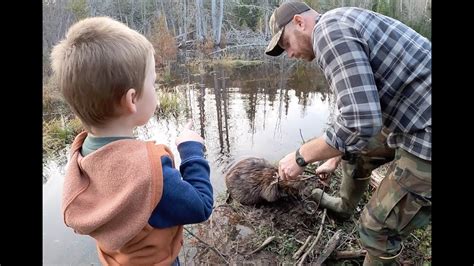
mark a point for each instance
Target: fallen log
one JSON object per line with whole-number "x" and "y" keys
{"x": 349, "y": 254}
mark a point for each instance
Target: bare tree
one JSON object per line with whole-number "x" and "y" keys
{"x": 214, "y": 20}
{"x": 200, "y": 32}
{"x": 266, "y": 18}
{"x": 185, "y": 16}
{"x": 57, "y": 19}
{"x": 185, "y": 27}
{"x": 217, "y": 21}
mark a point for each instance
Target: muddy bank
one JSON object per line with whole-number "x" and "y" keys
{"x": 234, "y": 232}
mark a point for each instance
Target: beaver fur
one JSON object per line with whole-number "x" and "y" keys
{"x": 255, "y": 180}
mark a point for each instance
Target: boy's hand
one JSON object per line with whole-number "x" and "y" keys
{"x": 188, "y": 135}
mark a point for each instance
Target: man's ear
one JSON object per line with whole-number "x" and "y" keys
{"x": 299, "y": 21}
{"x": 129, "y": 101}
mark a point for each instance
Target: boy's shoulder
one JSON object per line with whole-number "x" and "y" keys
{"x": 116, "y": 173}
{"x": 128, "y": 149}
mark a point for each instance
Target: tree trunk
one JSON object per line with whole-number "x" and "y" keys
{"x": 216, "y": 18}
{"x": 132, "y": 15}
{"x": 157, "y": 11}
{"x": 163, "y": 13}
{"x": 267, "y": 29}
{"x": 185, "y": 29}
{"x": 144, "y": 22}
{"x": 214, "y": 21}
{"x": 199, "y": 22}
{"x": 120, "y": 10}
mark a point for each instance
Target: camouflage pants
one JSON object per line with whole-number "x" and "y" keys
{"x": 374, "y": 155}
{"x": 401, "y": 203}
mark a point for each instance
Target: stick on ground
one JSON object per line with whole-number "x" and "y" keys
{"x": 211, "y": 247}
{"x": 301, "y": 249}
{"x": 264, "y": 244}
{"x": 330, "y": 246}
{"x": 315, "y": 241}
{"x": 352, "y": 254}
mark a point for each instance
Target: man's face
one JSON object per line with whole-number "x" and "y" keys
{"x": 296, "y": 43}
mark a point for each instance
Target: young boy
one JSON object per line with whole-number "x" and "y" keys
{"x": 125, "y": 192}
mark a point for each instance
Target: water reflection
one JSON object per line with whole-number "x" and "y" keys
{"x": 246, "y": 111}
{"x": 61, "y": 246}
{"x": 254, "y": 110}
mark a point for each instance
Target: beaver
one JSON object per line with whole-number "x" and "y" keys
{"x": 255, "y": 180}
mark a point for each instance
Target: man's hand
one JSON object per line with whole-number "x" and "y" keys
{"x": 188, "y": 135}
{"x": 287, "y": 167}
{"x": 328, "y": 167}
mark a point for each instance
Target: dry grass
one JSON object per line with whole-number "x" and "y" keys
{"x": 171, "y": 102}
{"x": 53, "y": 101}
{"x": 58, "y": 133}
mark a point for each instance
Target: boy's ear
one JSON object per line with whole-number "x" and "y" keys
{"x": 129, "y": 101}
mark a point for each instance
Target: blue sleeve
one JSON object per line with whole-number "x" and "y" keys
{"x": 187, "y": 194}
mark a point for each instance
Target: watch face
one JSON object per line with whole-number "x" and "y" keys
{"x": 300, "y": 161}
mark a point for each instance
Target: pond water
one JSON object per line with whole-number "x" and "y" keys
{"x": 264, "y": 110}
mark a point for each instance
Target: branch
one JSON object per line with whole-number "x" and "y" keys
{"x": 315, "y": 241}
{"x": 264, "y": 244}
{"x": 349, "y": 254}
{"x": 211, "y": 247}
{"x": 301, "y": 135}
{"x": 301, "y": 249}
{"x": 183, "y": 34}
{"x": 236, "y": 46}
{"x": 255, "y": 6}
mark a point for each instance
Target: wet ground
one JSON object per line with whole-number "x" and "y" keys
{"x": 235, "y": 231}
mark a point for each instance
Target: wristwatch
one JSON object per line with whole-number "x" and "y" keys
{"x": 299, "y": 159}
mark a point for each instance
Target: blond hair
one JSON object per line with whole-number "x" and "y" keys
{"x": 96, "y": 64}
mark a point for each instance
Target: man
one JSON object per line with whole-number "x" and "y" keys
{"x": 380, "y": 73}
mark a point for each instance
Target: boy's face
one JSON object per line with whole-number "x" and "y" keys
{"x": 148, "y": 101}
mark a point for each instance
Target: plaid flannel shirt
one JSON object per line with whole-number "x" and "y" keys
{"x": 380, "y": 72}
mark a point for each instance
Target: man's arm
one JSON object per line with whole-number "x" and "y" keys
{"x": 344, "y": 57}
{"x": 312, "y": 151}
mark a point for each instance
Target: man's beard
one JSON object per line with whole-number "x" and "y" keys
{"x": 307, "y": 47}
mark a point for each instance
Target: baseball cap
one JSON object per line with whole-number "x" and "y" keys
{"x": 280, "y": 17}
